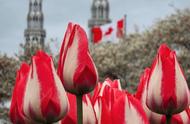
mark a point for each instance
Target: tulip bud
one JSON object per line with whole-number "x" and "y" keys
{"x": 167, "y": 92}
{"x": 127, "y": 110}
{"x": 141, "y": 93}
{"x": 89, "y": 116}
{"x": 114, "y": 84}
{"x": 114, "y": 106}
{"x": 45, "y": 99}
{"x": 16, "y": 110}
{"x": 76, "y": 68}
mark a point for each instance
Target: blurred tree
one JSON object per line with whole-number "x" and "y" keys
{"x": 8, "y": 67}
{"x": 30, "y": 48}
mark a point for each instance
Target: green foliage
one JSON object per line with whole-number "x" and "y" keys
{"x": 8, "y": 67}
{"x": 29, "y": 49}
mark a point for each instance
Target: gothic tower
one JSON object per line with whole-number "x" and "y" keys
{"x": 35, "y": 18}
{"x": 99, "y": 14}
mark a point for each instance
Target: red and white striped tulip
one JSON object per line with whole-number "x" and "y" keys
{"x": 98, "y": 91}
{"x": 114, "y": 84}
{"x": 45, "y": 99}
{"x": 89, "y": 116}
{"x": 141, "y": 94}
{"x": 117, "y": 107}
{"x": 16, "y": 109}
{"x": 154, "y": 118}
{"x": 76, "y": 67}
{"x": 167, "y": 91}
{"x": 127, "y": 109}
{"x": 100, "y": 87}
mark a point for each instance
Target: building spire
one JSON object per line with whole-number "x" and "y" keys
{"x": 99, "y": 14}
{"x": 35, "y": 19}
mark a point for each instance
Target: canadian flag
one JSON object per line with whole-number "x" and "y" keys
{"x": 109, "y": 32}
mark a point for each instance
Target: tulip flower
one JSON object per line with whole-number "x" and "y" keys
{"x": 154, "y": 118}
{"x": 45, "y": 99}
{"x": 99, "y": 90}
{"x": 167, "y": 91}
{"x": 114, "y": 84}
{"x": 141, "y": 93}
{"x": 89, "y": 116}
{"x": 99, "y": 87}
{"x": 76, "y": 67}
{"x": 128, "y": 110}
{"x": 16, "y": 113}
{"x": 117, "y": 107}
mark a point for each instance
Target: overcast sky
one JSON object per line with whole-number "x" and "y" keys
{"x": 58, "y": 13}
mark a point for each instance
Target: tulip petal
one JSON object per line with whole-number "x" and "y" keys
{"x": 76, "y": 68}
{"x": 88, "y": 111}
{"x": 167, "y": 92}
{"x": 16, "y": 110}
{"x": 45, "y": 99}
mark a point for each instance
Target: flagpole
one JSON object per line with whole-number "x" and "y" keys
{"x": 125, "y": 25}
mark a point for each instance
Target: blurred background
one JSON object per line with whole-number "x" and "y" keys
{"x": 30, "y": 25}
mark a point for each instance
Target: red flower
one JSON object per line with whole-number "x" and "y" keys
{"x": 45, "y": 99}
{"x": 141, "y": 94}
{"x": 154, "y": 118}
{"x": 167, "y": 92}
{"x": 114, "y": 106}
{"x": 76, "y": 68}
{"x": 89, "y": 116}
{"x": 16, "y": 109}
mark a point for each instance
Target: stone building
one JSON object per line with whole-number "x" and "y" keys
{"x": 100, "y": 10}
{"x": 35, "y": 19}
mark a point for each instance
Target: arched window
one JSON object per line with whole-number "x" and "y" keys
{"x": 94, "y": 12}
{"x": 101, "y": 12}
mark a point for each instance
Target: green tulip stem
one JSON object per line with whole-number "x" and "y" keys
{"x": 168, "y": 119}
{"x": 79, "y": 109}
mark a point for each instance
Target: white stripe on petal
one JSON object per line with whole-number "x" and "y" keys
{"x": 143, "y": 101}
{"x": 61, "y": 92}
{"x": 155, "y": 81}
{"x": 88, "y": 113}
{"x": 182, "y": 90}
{"x": 32, "y": 94}
{"x": 70, "y": 65}
{"x": 67, "y": 37}
{"x": 184, "y": 117}
{"x": 119, "y": 84}
{"x": 100, "y": 113}
{"x": 131, "y": 114}
{"x": 105, "y": 83}
{"x": 97, "y": 109}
